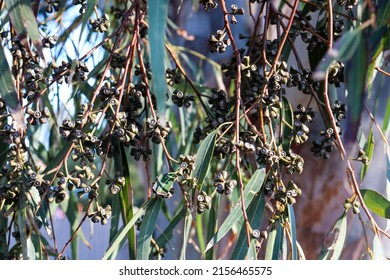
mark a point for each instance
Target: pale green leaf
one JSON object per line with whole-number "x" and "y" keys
{"x": 335, "y": 240}
{"x": 157, "y": 16}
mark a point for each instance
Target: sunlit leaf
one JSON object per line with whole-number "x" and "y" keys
{"x": 24, "y": 22}
{"x": 8, "y": 92}
{"x": 293, "y": 229}
{"x": 158, "y": 11}
{"x": 335, "y": 240}
{"x": 376, "y": 203}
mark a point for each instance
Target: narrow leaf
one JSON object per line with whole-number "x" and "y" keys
{"x": 186, "y": 234}
{"x": 8, "y": 92}
{"x": 274, "y": 243}
{"x": 369, "y": 150}
{"x": 377, "y": 249}
{"x": 24, "y": 21}
{"x": 335, "y": 240}
{"x": 343, "y": 50}
{"x": 123, "y": 232}
{"x": 376, "y": 203}
{"x": 158, "y": 11}
{"x": 167, "y": 234}
{"x": 147, "y": 228}
{"x": 255, "y": 216}
{"x": 252, "y": 252}
{"x": 293, "y": 229}
{"x": 203, "y": 157}
{"x": 236, "y": 214}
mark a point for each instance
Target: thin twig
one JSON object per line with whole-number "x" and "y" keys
{"x": 237, "y": 108}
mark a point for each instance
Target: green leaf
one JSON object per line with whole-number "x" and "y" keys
{"x": 236, "y": 214}
{"x": 157, "y": 16}
{"x": 163, "y": 184}
{"x": 369, "y": 150}
{"x": 148, "y": 226}
{"x": 122, "y": 164}
{"x": 24, "y": 21}
{"x": 252, "y": 252}
{"x": 333, "y": 246}
{"x": 343, "y": 50}
{"x": 376, "y": 203}
{"x": 274, "y": 243}
{"x": 34, "y": 200}
{"x": 87, "y": 15}
{"x": 8, "y": 92}
{"x": 167, "y": 234}
{"x": 186, "y": 234}
{"x": 293, "y": 228}
{"x": 203, "y": 158}
{"x": 117, "y": 240}
{"x": 355, "y": 79}
{"x": 255, "y": 216}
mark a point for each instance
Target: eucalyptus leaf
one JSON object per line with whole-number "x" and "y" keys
{"x": 147, "y": 229}
{"x": 335, "y": 240}
{"x": 117, "y": 240}
{"x": 255, "y": 215}
{"x": 203, "y": 158}
{"x": 158, "y": 11}
{"x": 376, "y": 203}
{"x": 8, "y": 92}
{"x": 236, "y": 214}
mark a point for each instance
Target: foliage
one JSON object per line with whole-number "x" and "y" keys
{"x": 104, "y": 118}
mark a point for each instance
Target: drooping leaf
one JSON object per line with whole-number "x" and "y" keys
{"x": 8, "y": 92}
{"x": 342, "y": 50}
{"x": 252, "y": 252}
{"x": 126, "y": 197}
{"x": 117, "y": 240}
{"x": 34, "y": 201}
{"x": 376, "y": 203}
{"x": 255, "y": 216}
{"x": 167, "y": 234}
{"x": 293, "y": 229}
{"x": 24, "y": 21}
{"x": 369, "y": 150}
{"x": 158, "y": 11}
{"x": 274, "y": 243}
{"x": 335, "y": 240}
{"x": 147, "y": 228}
{"x": 186, "y": 234}
{"x": 203, "y": 158}
{"x": 236, "y": 214}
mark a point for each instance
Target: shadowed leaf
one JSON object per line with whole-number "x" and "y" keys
{"x": 255, "y": 216}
